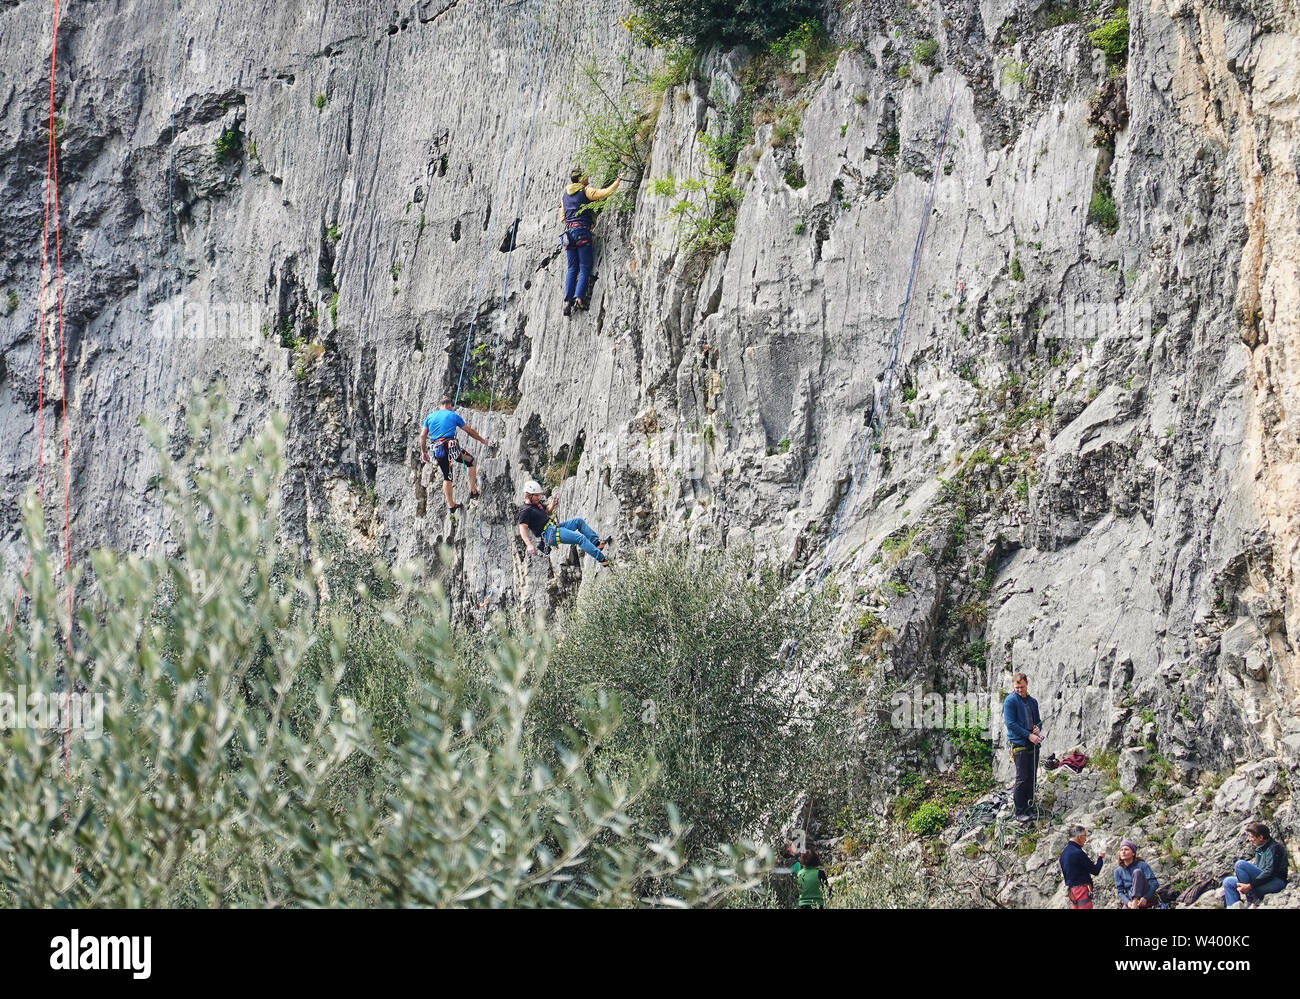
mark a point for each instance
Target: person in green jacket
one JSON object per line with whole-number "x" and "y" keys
{"x": 810, "y": 877}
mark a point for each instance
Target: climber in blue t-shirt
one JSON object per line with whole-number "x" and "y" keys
{"x": 440, "y": 427}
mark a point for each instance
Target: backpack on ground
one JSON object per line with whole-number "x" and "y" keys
{"x": 1197, "y": 889}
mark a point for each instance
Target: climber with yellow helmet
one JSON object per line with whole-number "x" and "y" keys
{"x": 578, "y": 218}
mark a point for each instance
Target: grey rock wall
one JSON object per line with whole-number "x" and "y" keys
{"x": 1118, "y": 410}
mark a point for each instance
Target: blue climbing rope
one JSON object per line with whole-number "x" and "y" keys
{"x": 496, "y": 197}
{"x": 505, "y": 277}
{"x": 877, "y": 425}
{"x": 171, "y": 169}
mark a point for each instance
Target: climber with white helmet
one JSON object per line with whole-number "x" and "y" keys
{"x": 578, "y": 217}
{"x": 441, "y": 426}
{"x": 537, "y": 519}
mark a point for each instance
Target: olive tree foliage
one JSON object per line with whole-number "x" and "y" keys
{"x": 269, "y": 739}
{"x": 697, "y": 645}
{"x": 725, "y": 22}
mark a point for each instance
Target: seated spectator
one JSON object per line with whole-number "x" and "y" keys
{"x": 1263, "y": 877}
{"x": 1135, "y": 884}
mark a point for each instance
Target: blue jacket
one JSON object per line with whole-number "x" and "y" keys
{"x": 1124, "y": 880}
{"x": 1076, "y": 867}
{"x": 1020, "y": 715}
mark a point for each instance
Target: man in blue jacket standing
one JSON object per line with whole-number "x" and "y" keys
{"x": 1020, "y": 716}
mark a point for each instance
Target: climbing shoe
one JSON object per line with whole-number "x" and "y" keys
{"x": 474, "y": 494}
{"x": 579, "y": 304}
{"x": 604, "y": 541}
{"x": 568, "y": 308}
{"x": 454, "y": 507}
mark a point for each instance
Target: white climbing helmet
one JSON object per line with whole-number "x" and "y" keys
{"x": 532, "y": 486}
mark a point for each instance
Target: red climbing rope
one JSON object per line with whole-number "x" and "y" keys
{"x": 50, "y": 197}
{"x": 40, "y": 331}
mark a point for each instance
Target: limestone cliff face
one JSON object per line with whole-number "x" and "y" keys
{"x": 1089, "y": 467}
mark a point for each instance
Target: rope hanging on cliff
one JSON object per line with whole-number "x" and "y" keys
{"x": 877, "y": 425}
{"x": 505, "y": 277}
{"x": 50, "y": 199}
{"x": 496, "y": 197}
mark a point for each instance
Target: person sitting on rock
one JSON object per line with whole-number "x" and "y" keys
{"x": 578, "y": 218}
{"x": 537, "y": 519}
{"x": 1265, "y": 876}
{"x": 1135, "y": 884}
{"x": 440, "y": 427}
{"x": 1078, "y": 869}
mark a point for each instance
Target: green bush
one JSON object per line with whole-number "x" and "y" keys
{"x": 925, "y": 51}
{"x": 229, "y": 144}
{"x": 723, "y": 22}
{"x": 706, "y": 210}
{"x": 692, "y": 643}
{"x": 1111, "y": 36}
{"x": 284, "y": 727}
{"x": 806, "y": 45}
{"x": 928, "y": 819}
{"x": 1103, "y": 210}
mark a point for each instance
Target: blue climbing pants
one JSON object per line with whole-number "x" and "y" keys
{"x": 577, "y": 280}
{"x": 576, "y": 532}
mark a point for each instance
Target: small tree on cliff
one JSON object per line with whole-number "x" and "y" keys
{"x": 723, "y": 22}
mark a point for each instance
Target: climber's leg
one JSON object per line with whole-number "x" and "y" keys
{"x": 570, "y": 535}
{"x": 571, "y": 275}
{"x": 585, "y": 258}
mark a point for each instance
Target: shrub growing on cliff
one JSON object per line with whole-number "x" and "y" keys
{"x": 1111, "y": 36}
{"x": 1102, "y": 209}
{"x": 614, "y": 123}
{"x": 724, "y": 22}
{"x": 229, "y": 144}
{"x": 928, "y": 819}
{"x": 270, "y": 740}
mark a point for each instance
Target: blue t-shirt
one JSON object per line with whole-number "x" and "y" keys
{"x": 442, "y": 423}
